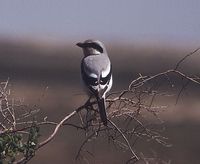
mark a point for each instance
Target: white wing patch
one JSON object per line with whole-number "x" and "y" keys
{"x": 106, "y": 72}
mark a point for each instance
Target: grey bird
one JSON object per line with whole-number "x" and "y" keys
{"x": 96, "y": 73}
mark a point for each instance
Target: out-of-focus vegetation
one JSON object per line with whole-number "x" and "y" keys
{"x": 48, "y": 76}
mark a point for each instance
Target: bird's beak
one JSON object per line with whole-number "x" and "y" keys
{"x": 80, "y": 44}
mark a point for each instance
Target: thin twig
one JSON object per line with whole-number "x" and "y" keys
{"x": 56, "y": 129}
{"x": 185, "y": 57}
{"x": 126, "y": 140}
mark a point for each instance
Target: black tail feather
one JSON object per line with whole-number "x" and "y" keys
{"x": 102, "y": 110}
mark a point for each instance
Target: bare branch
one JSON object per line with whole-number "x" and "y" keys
{"x": 127, "y": 142}
{"x": 56, "y": 129}
{"x": 185, "y": 57}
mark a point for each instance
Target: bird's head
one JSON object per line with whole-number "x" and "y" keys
{"x": 92, "y": 47}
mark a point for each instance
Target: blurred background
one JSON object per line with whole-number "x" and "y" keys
{"x": 39, "y": 56}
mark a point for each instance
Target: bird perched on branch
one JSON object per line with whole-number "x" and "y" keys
{"x": 96, "y": 73}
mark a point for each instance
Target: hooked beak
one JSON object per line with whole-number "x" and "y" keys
{"x": 80, "y": 44}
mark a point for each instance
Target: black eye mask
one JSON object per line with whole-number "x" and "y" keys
{"x": 96, "y": 46}
{"x": 91, "y": 45}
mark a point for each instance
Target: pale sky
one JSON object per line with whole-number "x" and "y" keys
{"x": 119, "y": 20}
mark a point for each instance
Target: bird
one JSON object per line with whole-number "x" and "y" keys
{"x": 96, "y": 73}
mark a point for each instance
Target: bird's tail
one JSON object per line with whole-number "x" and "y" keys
{"x": 102, "y": 110}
